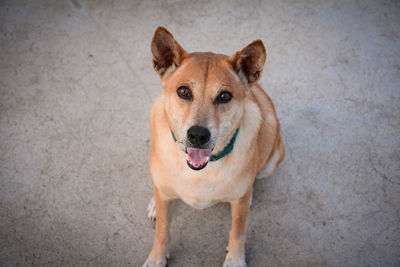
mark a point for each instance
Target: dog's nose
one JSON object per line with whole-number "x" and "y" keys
{"x": 198, "y": 135}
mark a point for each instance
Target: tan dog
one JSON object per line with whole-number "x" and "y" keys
{"x": 213, "y": 131}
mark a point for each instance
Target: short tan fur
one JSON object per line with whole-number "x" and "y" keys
{"x": 257, "y": 151}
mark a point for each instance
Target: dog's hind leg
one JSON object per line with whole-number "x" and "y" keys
{"x": 274, "y": 161}
{"x": 269, "y": 168}
{"x": 151, "y": 210}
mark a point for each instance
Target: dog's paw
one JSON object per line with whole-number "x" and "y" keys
{"x": 231, "y": 262}
{"x": 160, "y": 263}
{"x": 151, "y": 210}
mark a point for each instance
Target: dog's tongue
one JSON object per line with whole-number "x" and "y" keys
{"x": 197, "y": 155}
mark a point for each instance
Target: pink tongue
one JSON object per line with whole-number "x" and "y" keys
{"x": 197, "y": 155}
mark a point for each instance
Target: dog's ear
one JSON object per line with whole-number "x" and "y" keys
{"x": 249, "y": 62}
{"x": 167, "y": 53}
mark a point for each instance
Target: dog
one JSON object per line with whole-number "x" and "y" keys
{"x": 213, "y": 131}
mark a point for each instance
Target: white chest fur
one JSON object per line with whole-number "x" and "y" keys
{"x": 202, "y": 189}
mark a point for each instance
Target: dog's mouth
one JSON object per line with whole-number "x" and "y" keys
{"x": 197, "y": 158}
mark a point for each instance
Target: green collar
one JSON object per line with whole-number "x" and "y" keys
{"x": 228, "y": 149}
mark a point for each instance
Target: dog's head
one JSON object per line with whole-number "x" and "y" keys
{"x": 204, "y": 93}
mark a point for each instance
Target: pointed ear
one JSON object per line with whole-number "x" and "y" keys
{"x": 249, "y": 62}
{"x": 167, "y": 53}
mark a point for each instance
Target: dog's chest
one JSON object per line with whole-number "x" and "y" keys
{"x": 204, "y": 190}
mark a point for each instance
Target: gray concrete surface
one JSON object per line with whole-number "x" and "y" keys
{"x": 76, "y": 87}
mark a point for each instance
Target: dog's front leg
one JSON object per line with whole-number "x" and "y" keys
{"x": 159, "y": 252}
{"x": 237, "y": 237}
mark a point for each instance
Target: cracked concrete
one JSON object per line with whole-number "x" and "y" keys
{"x": 76, "y": 87}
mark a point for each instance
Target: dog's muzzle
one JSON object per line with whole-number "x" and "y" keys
{"x": 197, "y": 154}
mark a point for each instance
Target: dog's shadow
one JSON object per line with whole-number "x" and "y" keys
{"x": 260, "y": 187}
{"x": 266, "y": 198}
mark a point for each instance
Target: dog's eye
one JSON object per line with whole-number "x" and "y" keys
{"x": 184, "y": 92}
{"x": 224, "y": 97}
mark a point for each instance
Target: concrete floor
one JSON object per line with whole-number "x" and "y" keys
{"x": 76, "y": 88}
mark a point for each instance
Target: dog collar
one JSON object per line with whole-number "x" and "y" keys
{"x": 227, "y": 150}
